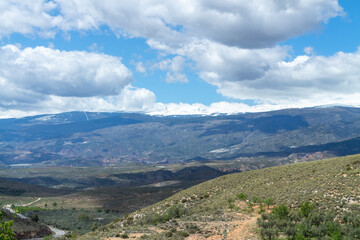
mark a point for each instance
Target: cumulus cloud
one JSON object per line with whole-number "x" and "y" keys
{"x": 135, "y": 99}
{"x": 175, "y": 68}
{"x": 28, "y": 17}
{"x": 309, "y": 80}
{"x": 247, "y": 24}
{"x": 129, "y": 99}
{"x": 232, "y": 45}
{"x": 71, "y": 74}
{"x": 43, "y": 78}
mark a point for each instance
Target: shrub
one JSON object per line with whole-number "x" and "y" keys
{"x": 83, "y": 217}
{"x": 242, "y": 196}
{"x": 306, "y": 208}
{"x": 124, "y": 235}
{"x": 94, "y": 226}
{"x": 305, "y": 223}
{"x": 6, "y": 232}
{"x": 255, "y": 200}
{"x": 281, "y": 212}
{"x": 269, "y": 202}
{"x": 34, "y": 218}
{"x": 230, "y": 200}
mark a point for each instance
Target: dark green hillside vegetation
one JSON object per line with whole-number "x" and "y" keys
{"x": 10, "y": 188}
{"x": 332, "y": 185}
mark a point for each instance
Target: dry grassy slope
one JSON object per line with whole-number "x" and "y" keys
{"x": 332, "y": 183}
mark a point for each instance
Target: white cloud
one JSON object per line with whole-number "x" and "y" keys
{"x": 249, "y": 24}
{"x": 176, "y": 77}
{"x": 129, "y": 99}
{"x": 139, "y": 66}
{"x": 175, "y": 68}
{"x": 305, "y": 80}
{"x": 46, "y": 71}
{"x": 28, "y": 17}
{"x": 231, "y": 43}
{"x": 135, "y": 99}
{"x": 212, "y": 109}
{"x": 95, "y": 47}
{"x": 309, "y": 50}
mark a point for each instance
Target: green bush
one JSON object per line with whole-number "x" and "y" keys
{"x": 255, "y": 200}
{"x": 173, "y": 212}
{"x": 242, "y": 196}
{"x": 6, "y": 232}
{"x": 305, "y": 223}
{"x": 281, "y": 212}
{"x": 124, "y": 235}
{"x": 34, "y": 218}
{"x": 269, "y": 202}
{"x": 306, "y": 208}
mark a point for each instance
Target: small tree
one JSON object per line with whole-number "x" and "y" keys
{"x": 94, "y": 226}
{"x": 35, "y": 218}
{"x": 269, "y": 202}
{"x": 6, "y": 232}
{"x": 54, "y": 204}
{"x": 281, "y": 212}
{"x": 268, "y": 228}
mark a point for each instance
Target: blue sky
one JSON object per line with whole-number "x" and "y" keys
{"x": 184, "y": 57}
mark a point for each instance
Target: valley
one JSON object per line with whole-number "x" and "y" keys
{"x": 179, "y": 120}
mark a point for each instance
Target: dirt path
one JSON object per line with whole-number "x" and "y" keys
{"x": 244, "y": 230}
{"x": 28, "y": 204}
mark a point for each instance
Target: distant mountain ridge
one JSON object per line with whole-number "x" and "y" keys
{"x": 87, "y": 138}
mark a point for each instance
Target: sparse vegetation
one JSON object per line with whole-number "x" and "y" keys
{"x": 325, "y": 184}
{"x": 305, "y": 223}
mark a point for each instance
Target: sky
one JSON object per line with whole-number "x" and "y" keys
{"x": 169, "y": 57}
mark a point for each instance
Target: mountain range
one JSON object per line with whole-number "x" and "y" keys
{"x": 103, "y": 139}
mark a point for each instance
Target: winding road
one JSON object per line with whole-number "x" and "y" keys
{"x": 57, "y": 232}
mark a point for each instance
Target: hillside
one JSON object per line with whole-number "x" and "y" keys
{"x": 15, "y": 189}
{"x": 107, "y": 139}
{"x": 25, "y": 228}
{"x": 212, "y": 209}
